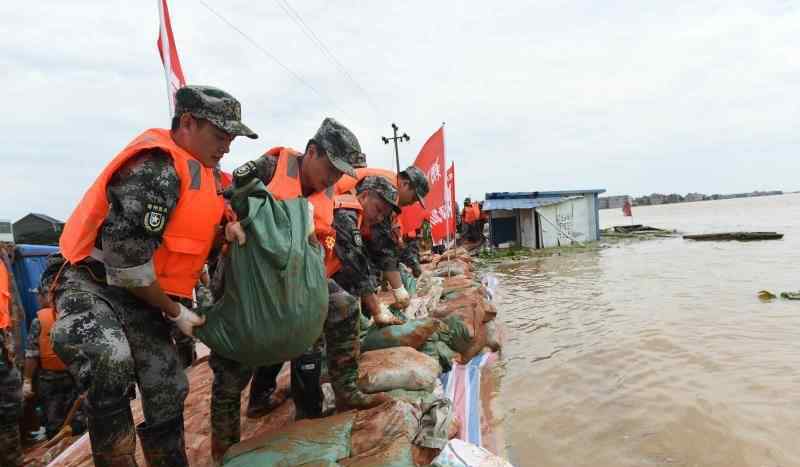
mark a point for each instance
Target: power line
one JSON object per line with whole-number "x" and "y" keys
{"x": 272, "y": 57}
{"x": 309, "y": 32}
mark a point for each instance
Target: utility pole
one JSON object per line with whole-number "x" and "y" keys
{"x": 395, "y": 138}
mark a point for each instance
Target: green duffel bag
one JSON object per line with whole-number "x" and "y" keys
{"x": 275, "y": 298}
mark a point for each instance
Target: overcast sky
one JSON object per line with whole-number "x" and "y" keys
{"x": 634, "y": 97}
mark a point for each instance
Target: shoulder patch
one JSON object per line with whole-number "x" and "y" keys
{"x": 155, "y": 218}
{"x": 357, "y": 241}
{"x": 243, "y": 170}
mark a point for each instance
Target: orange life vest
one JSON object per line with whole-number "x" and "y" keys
{"x": 347, "y": 201}
{"x": 47, "y": 358}
{"x": 189, "y": 233}
{"x": 5, "y": 297}
{"x": 285, "y": 184}
{"x": 347, "y": 184}
{"x": 471, "y": 214}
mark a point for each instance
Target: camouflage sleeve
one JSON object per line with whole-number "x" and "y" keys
{"x": 262, "y": 168}
{"x": 32, "y": 346}
{"x": 410, "y": 254}
{"x": 355, "y": 275}
{"x": 141, "y": 194}
{"x": 382, "y": 247}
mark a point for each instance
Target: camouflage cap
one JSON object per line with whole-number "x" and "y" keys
{"x": 419, "y": 182}
{"x": 341, "y": 146}
{"x": 383, "y": 188}
{"x": 214, "y": 105}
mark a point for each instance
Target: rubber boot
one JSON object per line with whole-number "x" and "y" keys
{"x": 343, "y": 351}
{"x": 262, "y": 387}
{"x": 163, "y": 444}
{"x": 306, "y": 387}
{"x": 112, "y": 437}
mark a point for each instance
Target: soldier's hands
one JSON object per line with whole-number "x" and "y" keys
{"x": 401, "y": 297}
{"x": 187, "y": 320}
{"x": 384, "y": 317}
{"x": 235, "y": 232}
{"x": 27, "y": 389}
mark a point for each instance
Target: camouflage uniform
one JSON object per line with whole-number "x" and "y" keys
{"x": 111, "y": 340}
{"x": 57, "y": 390}
{"x": 10, "y": 405}
{"x": 340, "y": 330}
{"x": 385, "y": 248}
{"x": 10, "y": 386}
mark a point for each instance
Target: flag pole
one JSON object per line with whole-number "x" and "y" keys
{"x": 165, "y": 54}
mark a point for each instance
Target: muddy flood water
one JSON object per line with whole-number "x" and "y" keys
{"x": 658, "y": 353}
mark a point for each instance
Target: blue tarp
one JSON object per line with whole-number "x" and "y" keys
{"x": 29, "y": 264}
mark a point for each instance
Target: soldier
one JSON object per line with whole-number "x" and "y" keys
{"x": 348, "y": 266}
{"x": 287, "y": 174}
{"x": 56, "y": 389}
{"x": 135, "y": 247}
{"x": 10, "y": 381}
{"x": 384, "y": 243}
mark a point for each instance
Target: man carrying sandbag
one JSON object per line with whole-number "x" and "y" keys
{"x": 135, "y": 247}
{"x": 389, "y": 247}
{"x": 348, "y": 266}
{"x": 287, "y": 174}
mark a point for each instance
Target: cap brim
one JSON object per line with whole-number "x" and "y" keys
{"x": 240, "y": 129}
{"x": 342, "y": 166}
{"x": 236, "y": 129}
{"x": 421, "y": 201}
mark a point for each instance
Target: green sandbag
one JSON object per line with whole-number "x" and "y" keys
{"x": 275, "y": 297}
{"x": 321, "y": 441}
{"x": 440, "y": 351}
{"x": 412, "y": 333}
{"x": 455, "y": 334}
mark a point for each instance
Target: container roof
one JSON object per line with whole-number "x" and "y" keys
{"x": 542, "y": 194}
{"x": 523, "y": 203}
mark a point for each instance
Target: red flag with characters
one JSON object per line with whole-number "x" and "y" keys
{"x": 169, "y": 55}
{"x": 451, "y": 189}
{"x": 431, "y": 161}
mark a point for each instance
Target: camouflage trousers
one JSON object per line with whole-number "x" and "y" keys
{"x": 110, "y": 341}
{"x": 230, "y": 377}
{"x": 57, "y": 392}
{"x": 10, "y": 408}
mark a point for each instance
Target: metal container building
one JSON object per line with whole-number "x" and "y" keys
{"x": 543, "y": 219}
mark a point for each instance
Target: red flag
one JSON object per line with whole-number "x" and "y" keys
{"x": 626, "y": 209}
{"x": 169, "y": 55}
{"x": 431, "y": 161}
{"x": 451, "y": 184}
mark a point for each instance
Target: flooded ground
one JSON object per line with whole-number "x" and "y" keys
{"x": 658, "y": 353}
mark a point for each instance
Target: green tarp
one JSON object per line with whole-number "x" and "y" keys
{"x": 276, "y": 295}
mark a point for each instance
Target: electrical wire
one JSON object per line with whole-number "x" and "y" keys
{"x": 272, "y": 57}
{"x": 309, "y": 32}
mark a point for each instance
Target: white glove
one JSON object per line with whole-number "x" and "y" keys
{"x": 27, "y": 389}
{"x": 401, "y": 296}
{"x": 187, "y": 320}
